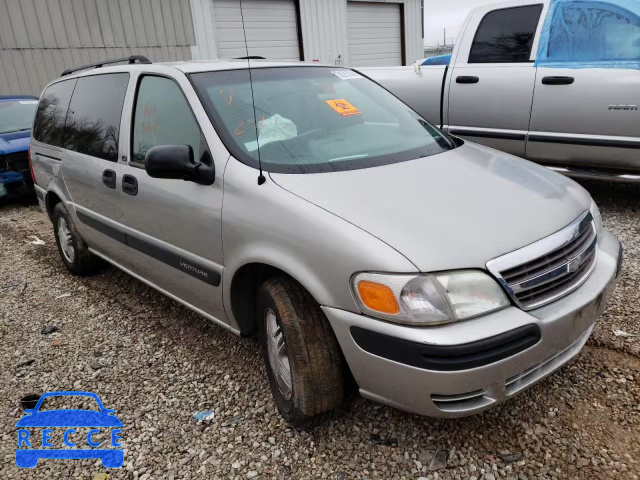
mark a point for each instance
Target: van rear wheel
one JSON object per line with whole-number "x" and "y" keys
{"x": 301, "y": 353}
{"x": 74, "y": 252}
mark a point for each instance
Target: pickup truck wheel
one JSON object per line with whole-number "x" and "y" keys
{"x": 73, "y": 250}
{"x": 301, "y": 353}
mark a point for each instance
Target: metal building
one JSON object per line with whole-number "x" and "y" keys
{"x": 40, "y": 38}
{"x": 339, "y": 32}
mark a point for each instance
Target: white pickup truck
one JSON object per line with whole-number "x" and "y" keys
{"x": 553, "y": 81}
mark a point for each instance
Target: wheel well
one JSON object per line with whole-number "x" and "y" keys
{"x": 244, "y": 293}
{"x": 51, "y": 200}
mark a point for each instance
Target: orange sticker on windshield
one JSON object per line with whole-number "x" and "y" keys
{"x": 343, "y": 107}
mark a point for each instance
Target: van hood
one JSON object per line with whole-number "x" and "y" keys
{"x": 457, "y": 209}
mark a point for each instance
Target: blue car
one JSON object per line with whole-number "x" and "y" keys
{"x": 70, "y": 418}
{"x": 16, "y": 118}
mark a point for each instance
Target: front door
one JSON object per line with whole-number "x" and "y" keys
{"x": 491, "y": 86}
{"x": 586, "y": 106}
{"x": 173, "y": 227}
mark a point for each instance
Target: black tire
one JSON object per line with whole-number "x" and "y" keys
{"x": 317, "y": 387}
{"x": 82, "y": 262}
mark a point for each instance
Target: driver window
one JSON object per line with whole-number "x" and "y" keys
{"x": 506, "y": 35}
{"x": 162, "y": 116}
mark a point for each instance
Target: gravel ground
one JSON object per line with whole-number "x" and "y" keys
{"x": 156, "y": 364}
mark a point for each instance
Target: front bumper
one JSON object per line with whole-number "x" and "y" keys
{"x": 564, "y": 327}
{"x": 13, "y": 183}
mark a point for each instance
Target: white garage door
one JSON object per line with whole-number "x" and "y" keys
{"x": 374, "y": 34}
{"x": 271, "y": 28}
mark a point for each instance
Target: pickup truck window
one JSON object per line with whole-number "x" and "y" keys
{"x": 592, "y": 32}
{"x": 48, "y": 126}
{"x": 314, "y": 119}
{"x": 506, "y": 35}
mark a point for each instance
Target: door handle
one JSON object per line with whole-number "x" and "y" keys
{"x": 467, "y": 79}
{"x": 557, "y": 80}
{"x": 129, "y": 184}
{"x": 109, "y": 178}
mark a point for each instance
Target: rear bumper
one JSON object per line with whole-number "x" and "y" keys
{"x": 463, "y": 389}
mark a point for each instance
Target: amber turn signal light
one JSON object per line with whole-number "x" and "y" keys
{"x": 378, "y": 297}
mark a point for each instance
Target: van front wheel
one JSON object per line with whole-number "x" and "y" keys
{"x": 300, "y": 351}
{"x": 73, "y": 251}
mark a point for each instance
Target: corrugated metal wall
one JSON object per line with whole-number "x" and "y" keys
{"x": 324, "y": 30}
{"x": 41, "y": 38}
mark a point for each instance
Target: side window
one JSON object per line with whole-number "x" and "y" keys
{"x": 162, "y": 116}
{"x": 593, "y": 32}
{"x": 48, "y": 126}
{"x": 93, "y": 120}
{"x": 506, "y": 35}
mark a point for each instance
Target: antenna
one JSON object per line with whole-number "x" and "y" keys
{"x": 261, "y": 177}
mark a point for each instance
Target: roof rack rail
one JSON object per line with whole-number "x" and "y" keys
{"x": 250, "y": 57}
{"x": 130, "y": 60}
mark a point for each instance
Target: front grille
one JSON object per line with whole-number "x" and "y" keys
{"x": 462, "y": 402}
{"x": 15, "y": 162}
{"x": 546, "y": 270}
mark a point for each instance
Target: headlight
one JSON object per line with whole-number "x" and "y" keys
{"x": 430, "y": 299}
{"x": 597, "y": 218}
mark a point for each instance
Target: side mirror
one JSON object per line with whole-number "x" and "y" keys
{"x": 177, "y": 162}
{"x": 29, "y": 411}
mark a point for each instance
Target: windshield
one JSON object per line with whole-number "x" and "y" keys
{"x": 314, "y": 119}
{"x": 17, "y": 115}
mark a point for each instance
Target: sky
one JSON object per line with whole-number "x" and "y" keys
{"x": 449, "y": 14}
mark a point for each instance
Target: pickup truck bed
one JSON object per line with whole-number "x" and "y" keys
{"x": 516, "y": 84}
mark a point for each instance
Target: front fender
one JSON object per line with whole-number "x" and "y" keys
{"x": 296, "y": 268}
{"x": 267, "y": 224}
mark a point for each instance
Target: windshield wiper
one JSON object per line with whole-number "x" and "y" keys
{"x": 349, "y": 157}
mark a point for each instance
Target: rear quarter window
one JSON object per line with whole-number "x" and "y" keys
{"x": 591, "y": 32}
{"x": 48, "y": 126}
{"x": 93, "y": 120}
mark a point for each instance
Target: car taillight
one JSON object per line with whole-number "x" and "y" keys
{"x": 33, "y": 176}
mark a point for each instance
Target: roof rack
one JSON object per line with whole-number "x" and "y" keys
{"x": 130, "y": 60}
{"x": 250, "y": 57}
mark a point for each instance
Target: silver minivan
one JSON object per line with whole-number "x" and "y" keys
{"x": 309, "y": 206}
